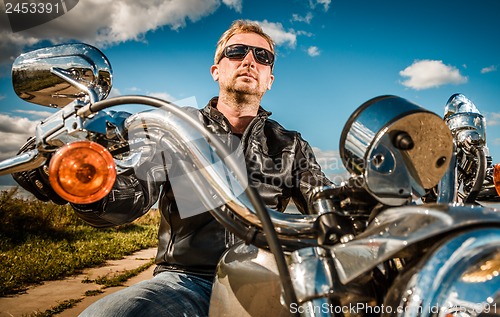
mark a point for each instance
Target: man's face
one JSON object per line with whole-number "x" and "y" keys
{"x": 245, "y": 76}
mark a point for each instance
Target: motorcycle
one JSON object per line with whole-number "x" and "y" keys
{"x": 405, "y": 235}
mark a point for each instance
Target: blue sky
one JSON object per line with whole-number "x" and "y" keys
{"x": 331, "y": 57}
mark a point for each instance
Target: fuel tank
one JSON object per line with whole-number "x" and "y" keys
{"x": 247, "y": 284}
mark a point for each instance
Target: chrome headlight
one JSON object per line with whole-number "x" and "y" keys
{"x": 399, "y": 148}
{"x": 459, "y": 278}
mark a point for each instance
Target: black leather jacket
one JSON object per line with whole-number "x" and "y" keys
{"x": 281, "y": 166}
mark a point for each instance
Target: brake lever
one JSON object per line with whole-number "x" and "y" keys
{"x": 26, "y": 161}
{"x": 61, "y": 128}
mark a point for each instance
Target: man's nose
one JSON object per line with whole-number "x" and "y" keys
{"x": 249, "y": 60}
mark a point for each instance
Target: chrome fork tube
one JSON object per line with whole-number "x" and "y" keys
{"x": 311, "y": 271}
{"x": 447, "y": 186}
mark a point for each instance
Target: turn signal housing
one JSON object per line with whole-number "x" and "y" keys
{"x": 82, "y": 172}
{"x": 496, "y": 177}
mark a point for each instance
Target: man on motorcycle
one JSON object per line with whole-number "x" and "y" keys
{"x": 280, "y": 164}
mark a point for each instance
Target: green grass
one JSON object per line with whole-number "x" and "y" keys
{"x": 93, "y": 292}
{"x": 43, "y": 241}
{"x": 67, "y": 304}
{"x": 119, "y": 279}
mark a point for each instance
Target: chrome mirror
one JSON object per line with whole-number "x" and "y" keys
{"x": 57, "y": 75}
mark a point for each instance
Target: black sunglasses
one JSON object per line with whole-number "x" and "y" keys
{"x": 239, "y": 51}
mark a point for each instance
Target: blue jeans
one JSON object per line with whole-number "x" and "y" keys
{"x": 166, "y": 294}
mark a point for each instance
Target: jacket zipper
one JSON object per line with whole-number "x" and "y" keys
{"x": 246, "y": 134}
{"x": 229, "y": 237}
{"x": 169, "y": 251}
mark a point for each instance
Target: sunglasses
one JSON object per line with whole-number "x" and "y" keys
{"x": 239, "y": 51}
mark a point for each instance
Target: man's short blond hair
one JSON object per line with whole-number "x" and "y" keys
{"x": 238, "y": 27}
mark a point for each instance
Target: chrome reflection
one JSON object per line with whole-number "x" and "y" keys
{"x": 466, "y": 122}
{"x": 396, "y": 228}
{"x": 436, "y": 286}
{"x": 486, "y": 270}
{"x": 214, "y": 185}
{"x": 57, "y": 75}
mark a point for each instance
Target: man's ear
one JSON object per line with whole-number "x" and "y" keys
{"x": 270, "y": 83}
{"x": 214, "y": 70}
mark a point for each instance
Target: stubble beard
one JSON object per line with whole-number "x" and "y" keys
{"x": 245, "y": 95}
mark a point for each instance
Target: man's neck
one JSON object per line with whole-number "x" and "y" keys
{"x": 239, "y": 113}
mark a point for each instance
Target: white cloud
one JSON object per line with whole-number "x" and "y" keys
{"x": 112, "y": 23}
{"x": 493, "y": 118}
{"x": 11, "y": 46}
{"x": 489, "y": 69}
{"x": 37, "y": 114}
{"x": 425, "y": 74}
{"x": 279, "y": 34}
{"x": 186, "y": 102}
{"x": 324, "y": 3}
{"x": 306, "y": 19}
{"x": 331, "y": 164}
{"x": 2, "y": 97}
{"x": 9, "y": 124}
{"x": 128, "y": 20}
{"x": 305, "y": 33}
{"x": 328, "y": 159}
{"x": 14, "y": 131}
{"x": 115, "y": 92}
{"x": 313, "y": 51}
{"x": 237, "y": 5}
{"x": 162, "y": 95}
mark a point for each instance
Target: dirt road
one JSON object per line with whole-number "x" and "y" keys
{"x": 53, "y": 293}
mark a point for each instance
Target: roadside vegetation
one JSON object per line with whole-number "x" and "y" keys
{"x": 106, "y": 282}
{"x": 44, "y": 241}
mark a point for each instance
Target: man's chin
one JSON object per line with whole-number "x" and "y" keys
{"x": 245, "y": 95}
{"x": 245, "y": 90}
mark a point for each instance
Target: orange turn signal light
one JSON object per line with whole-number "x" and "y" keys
{"x": 496, "y": 177}
{"x": 82, "y": 172}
